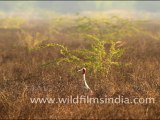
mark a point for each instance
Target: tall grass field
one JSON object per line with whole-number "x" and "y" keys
{"x": 39, "y": 58}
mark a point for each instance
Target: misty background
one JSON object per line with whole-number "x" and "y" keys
{"x": 148, "y": 9}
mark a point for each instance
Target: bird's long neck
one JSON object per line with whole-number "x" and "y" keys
{"x": 84, "y": 78}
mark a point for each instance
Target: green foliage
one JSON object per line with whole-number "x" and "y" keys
{"x": 67, "y": 54}
{"x": 103, "y": 51}
{"x": 84, "y": 24}
{"x": 96, "y": 58}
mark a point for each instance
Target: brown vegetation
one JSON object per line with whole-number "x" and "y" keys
{"x": 24, "y": 74}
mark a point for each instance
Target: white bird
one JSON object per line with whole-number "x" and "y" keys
{"x": 84, "y": 79}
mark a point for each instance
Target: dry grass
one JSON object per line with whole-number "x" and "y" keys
{"x": 21, "y": 71}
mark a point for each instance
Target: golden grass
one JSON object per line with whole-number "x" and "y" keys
{"x": 22, "y": 77}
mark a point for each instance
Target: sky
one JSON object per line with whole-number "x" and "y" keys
{"x": 71, "y": 7}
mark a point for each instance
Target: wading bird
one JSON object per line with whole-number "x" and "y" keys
{"x": 84, "y": 79}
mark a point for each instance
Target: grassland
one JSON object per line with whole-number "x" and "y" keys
{"x": 29, "y": 67}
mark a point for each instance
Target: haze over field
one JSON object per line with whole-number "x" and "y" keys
{"x": 140, "y": 9}
{"x": 114, "y": 45}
